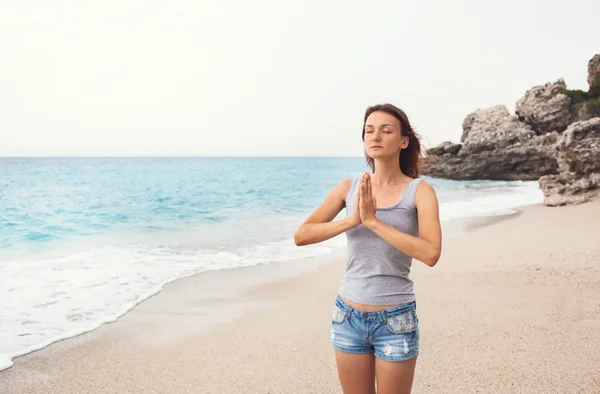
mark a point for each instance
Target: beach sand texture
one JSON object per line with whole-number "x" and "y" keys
{"x": 512, "y": 307}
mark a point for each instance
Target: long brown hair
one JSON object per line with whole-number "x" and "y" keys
{"x": 410, "y": 157}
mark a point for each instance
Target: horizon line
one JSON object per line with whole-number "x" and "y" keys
{"x": 166, "y": 156}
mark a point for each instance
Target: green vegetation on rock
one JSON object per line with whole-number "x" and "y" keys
{"x": 592, "y": 96}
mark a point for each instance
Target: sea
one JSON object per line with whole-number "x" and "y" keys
{"x": 83, "y": 240}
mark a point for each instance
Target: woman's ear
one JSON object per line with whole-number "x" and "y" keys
{"x": 405, "y": 141}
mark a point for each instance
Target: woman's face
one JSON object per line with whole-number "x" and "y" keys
{"x": 383, "y": 135}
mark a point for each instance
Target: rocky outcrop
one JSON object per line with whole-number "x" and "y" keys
{"x": 516, "y": 163}
{"x": 578, "y": 148}
{"x": 582, "y": 110}
{"x": 567, "y": 189}
{"x": 577, "y": 152}
{"x": 445, "y": 148}
{"x": 491, "y": 129}
{"x": 553, "y": 137}
{"x": 545, "y": 108}
{"x": 593, "y": 70}
{"x": 495, "y": 145}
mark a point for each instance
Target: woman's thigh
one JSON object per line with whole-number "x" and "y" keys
{"x": 396, "y": 344}
{"x": 356, "y": 372}
{"x": 395, "y": 377}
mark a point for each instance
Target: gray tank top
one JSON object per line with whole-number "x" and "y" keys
{"x": 376, "y": 272}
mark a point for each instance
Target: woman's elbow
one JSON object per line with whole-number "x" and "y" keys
{"x": 299, "y": 240}
{"x": 432, "y": 258}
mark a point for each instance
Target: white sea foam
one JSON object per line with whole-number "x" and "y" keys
{"x": 55, "y": 295}
{"x": 489, "y": 199}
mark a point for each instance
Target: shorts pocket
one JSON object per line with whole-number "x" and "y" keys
{"x": 402, "y": 323}
{"x": 338, "y": 314}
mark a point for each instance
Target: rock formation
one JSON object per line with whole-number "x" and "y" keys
{"x": 578, "y": 154}
{"x": 495, "y": 145}
{"x": 554, "y": 136}
{"x": 545, "y": 108}
{"x": 593, "y": 70}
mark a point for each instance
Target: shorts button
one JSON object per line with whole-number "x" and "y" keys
{"x": 364, "y": 315}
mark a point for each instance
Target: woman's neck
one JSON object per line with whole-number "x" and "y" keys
{"x": 387, "y": 173}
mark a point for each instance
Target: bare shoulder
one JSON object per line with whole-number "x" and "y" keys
{"x": 425, "y": 186}
{"x": 425, "y": 194}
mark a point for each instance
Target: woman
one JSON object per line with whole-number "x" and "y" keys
{"x": 391, "y": 218}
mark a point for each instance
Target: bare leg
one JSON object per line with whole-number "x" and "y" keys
{"x": 395, "y": 377}
{"x": 356, "y": 372}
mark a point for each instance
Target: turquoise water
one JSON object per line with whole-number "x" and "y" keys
{"x": 46, "y": 200}
{"x": 82, "y": 240}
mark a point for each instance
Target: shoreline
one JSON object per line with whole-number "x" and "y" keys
{"x": 265, "y": 328}
{"x": 457, "y": 228}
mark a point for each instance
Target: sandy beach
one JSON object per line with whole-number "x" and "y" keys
{"x": 511, "y": 307}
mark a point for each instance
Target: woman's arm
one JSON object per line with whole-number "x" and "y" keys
{"x": 428, "y": 246}
{"x": 319, "y": 226}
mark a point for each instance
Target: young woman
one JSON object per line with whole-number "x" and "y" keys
{"x": 391, "y": 218}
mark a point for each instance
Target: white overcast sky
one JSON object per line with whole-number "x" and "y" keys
{"x": 269, "y": 77}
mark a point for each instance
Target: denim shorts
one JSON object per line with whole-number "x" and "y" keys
{"x": 391, "y": 334}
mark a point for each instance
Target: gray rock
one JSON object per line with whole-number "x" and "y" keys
{"x": 495, "y": 145}
{"x": 568, "y": 189}
{"x": 493, "y": 129}
{"x": 593, "y": 70}
{"x": 553, "y": 137}
{"x": 513, "y": 163}
{"x": 545, "y": 108}
{"x": 446, "y": 147}
{"x": 578, "y": 148}
{"x": 577, "y": 152}
{"x": 581, "y": 111}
